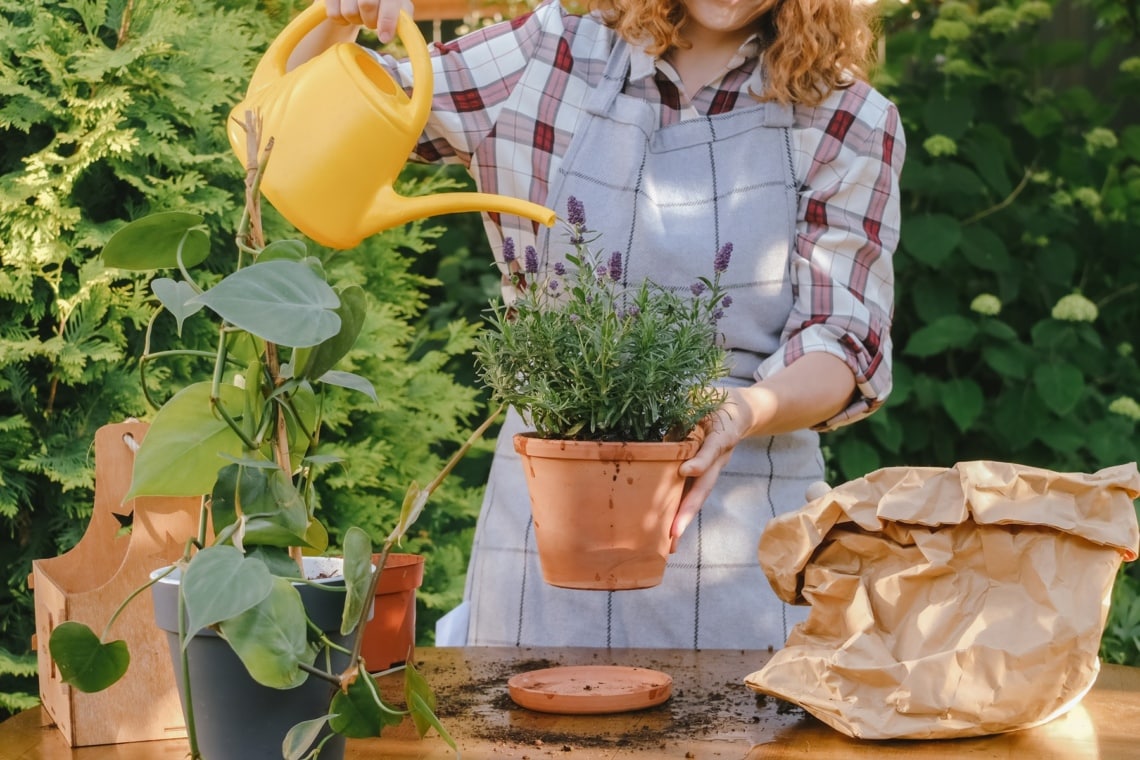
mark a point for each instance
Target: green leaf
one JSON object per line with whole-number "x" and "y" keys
{"x": 984, "y": 249}
{"x": 421, "y": 702}
{"x": 1042, "y": 120}
{"x": 948, "y": 116}
{"x": 987, "y": 152}
{"x": 1006, "y": 361}
{"x": 181, "y": 454}
{"x": 1130, "y": 141}
{"x": 246, "y": 582}
{"x": 350, "y": 381}
{"x": 887, "y": 430}
{"x": 83, "y": 660}
{"x": 357, "y": 576}
{"x": 1060, "y": 385}
{"x": 930, "y": 238}
{"x": 301, "y": 737}
{"x": 287, "y": 250}
{"x": 176, "y": 297}
{"x": 856, "y": 458}
{"x": 359, "y": 712}
{"x": 951, "y": 331}
{"x": 281, "y": 301}
{"x": 963, "y": 401}
{"x": 279, "y": 516}
{"x": 152, "y": 242}
{"x": 271, "y": 639}
{"x": 352, "y": 309}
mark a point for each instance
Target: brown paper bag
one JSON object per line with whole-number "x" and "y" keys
{"x": 948, "y": 602}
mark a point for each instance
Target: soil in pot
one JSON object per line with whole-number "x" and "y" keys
{"x": 603, "y": 510}
{"x": 390, "y": 635}
{"x": 235, "y": 716}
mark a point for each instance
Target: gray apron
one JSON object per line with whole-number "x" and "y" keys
{"x": 667, "y": 198}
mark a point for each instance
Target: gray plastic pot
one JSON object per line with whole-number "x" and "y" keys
{"x": 236, "y": 717}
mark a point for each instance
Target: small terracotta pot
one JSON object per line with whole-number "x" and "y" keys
{"x": 390, "y": 636}
{"x": 602, "y": 510}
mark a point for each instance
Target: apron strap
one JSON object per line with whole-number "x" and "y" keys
{"x": 602, "y": 97}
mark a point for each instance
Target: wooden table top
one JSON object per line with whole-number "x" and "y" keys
{"x": 711, "y": 715}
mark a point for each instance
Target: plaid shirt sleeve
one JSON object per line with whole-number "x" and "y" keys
{"x": 849, "y": 152}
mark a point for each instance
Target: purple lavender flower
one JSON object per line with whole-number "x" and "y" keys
{"x": 575, "y": 212}
{"x": 633, "y": 311}
{"x": 508, "y": 250}
{"x": 697, "y": 288}
{"x": 575, "y": 317}
{"x": 717, "y": 315}
{"x": 615, "y": 266}
{"x": 531, "y": 259}
{"x": 720, "y": 261}
{"x": 553, "y": 286}
{"x": 726, "y": 302}
{"x": 602, "y": 272}
{"x": 559, "y": 269}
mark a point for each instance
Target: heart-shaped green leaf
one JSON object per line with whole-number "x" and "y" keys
{"x": 153, "y": 242}
{"x": 359, "y": 712}
{"x": 290, "y": 250}
{"x": 271, "y": 639}
{"x": 963, "y": 401}
{"x": 83, "y": 660}
{"x": 246, "y": 582}
{"x": 351, "y": 381}
{"x": 277, "y": 518}
{"x": 421, "y": 704}
{"x": 280, "y": 301}
{"x": 181, "y": 454}
{"x": 357, "y": 576}
{"x": 300, "y": 738}
{"x": 322, "y": 358}
{"x": 1060, "y": 385}
{"x": 176, "y": 296}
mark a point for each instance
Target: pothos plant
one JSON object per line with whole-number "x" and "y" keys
{"x": 246, "y": 441}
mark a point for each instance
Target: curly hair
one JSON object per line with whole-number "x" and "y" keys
{"x": 811, "y": 47}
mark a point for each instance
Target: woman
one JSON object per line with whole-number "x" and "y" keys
{"x": 683, "y": 125}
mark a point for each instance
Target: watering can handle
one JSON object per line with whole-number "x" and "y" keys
{"x": 273, "y": 64}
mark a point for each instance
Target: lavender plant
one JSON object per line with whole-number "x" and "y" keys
{"x": 583, "y": 357}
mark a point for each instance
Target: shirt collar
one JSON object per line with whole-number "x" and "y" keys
{"x": 643, "y": 65}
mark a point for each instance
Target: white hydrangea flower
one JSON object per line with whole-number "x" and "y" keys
{"x": 952, "y": 31}
{"x": 1099, "y": 138}
{"x": 1126, "y": 406}
{"x": 986, "y": 304}
{"x": 1075, "y": 308}
{"x": 1087, "y": 197}
{"x": 940, "y": 145}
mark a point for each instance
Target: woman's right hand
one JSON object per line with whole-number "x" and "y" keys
{"x": 380, "y": 15}
{"x": 345, "y": 18}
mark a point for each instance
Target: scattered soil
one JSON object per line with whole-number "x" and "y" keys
{"x": 719, "y": 712}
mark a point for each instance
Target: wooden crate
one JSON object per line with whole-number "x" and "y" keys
{"x": 88, "y": 583}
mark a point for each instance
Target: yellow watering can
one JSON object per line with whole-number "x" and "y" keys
{"x": 342, "y": 131}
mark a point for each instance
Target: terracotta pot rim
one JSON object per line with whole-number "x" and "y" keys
{"x": 531, "y": 444}
{"x": 402, "y": 572}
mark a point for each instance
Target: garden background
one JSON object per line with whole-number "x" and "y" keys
{"x": 1018, "y": 273}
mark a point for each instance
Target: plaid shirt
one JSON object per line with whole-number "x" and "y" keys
{"x": 847, "y": 154}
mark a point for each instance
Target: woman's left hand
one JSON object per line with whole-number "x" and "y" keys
{"x": 723, "y": 429}
{"x": 811, "y": 389}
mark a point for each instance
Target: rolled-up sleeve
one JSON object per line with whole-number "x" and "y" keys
{"x": 851, "y": 153}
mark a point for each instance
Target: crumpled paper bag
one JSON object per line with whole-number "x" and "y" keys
{"x": 948, "y": 602}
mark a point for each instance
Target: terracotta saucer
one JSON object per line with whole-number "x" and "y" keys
{"x": 590, "y": 689}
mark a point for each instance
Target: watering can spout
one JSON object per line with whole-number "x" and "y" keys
{"x": 342, "y": 131}
{"x": 392, "y": 209}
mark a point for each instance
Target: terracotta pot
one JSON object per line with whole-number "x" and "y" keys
{"x": 602, "y": 511}
{"x": 390, "y": 636}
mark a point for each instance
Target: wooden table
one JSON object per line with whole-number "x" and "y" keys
{"x": 711, "y": 715}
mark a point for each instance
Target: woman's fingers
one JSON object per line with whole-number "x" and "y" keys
{"x": 380, "y": 15}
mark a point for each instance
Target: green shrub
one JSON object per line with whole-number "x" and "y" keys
{"x": 110, "y": 110}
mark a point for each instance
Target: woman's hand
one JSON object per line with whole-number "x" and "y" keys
{"x": 380, "y": 15}
{"x": 814, "y": 388}
{"x": 345, "y": 19}
{"x": 723, "y": 429}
